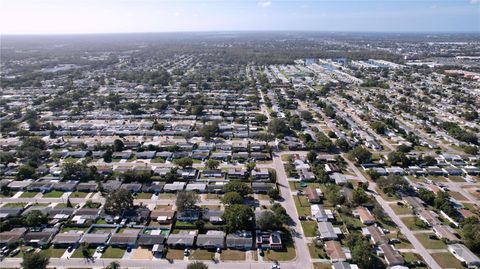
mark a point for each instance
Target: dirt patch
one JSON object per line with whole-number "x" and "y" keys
{"x": 142, "y": 253}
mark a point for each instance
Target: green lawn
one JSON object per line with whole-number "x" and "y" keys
{"x": 113, "y": 253}
{"x": 12, "y": 205}
{"x": 54, "y": 252}
{"x": 401, "y": 210}
{"x": 316, "y": 252}
{"x": 158, "y": 160}
{"x": 309, "y": 228}
{"x": 202, "y": 254}
{"x": 53, "y": 194}
{"x": 410, "y": 258}
{"x": 232, "y": 255}
{"x": 167, "y": 196}
{"x": 410, "y": 223}
{"x": 319, "y": 265}
{"x": 302, "y": 205}
{"x": 404, "y": 243}
{"x": 430, "y": 243}
{"x": 287, "y": 253}
{"x": 447, "y": 260}
{"x": 78, "y": 252}
{"x": 78, "y": 194}
{"x": 29, "y": 194}
{"x": 143, "y": 195}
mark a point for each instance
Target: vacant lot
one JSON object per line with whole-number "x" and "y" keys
{"x": 302, "y": 204}
{"x": 309, "y": 228}
{"x": 54, "y": 252}
{"x": 430, "y": 243}
{"x": 447, "y": 260}
{"x": 174, "y": 254}
{"x": 401, "y": 209}
{"x": 410, "y": 223}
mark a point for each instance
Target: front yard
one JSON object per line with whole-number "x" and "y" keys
{"x": 113, "y": 253}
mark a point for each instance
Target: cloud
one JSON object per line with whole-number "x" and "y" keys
{"x": 265, "y": 3}
{"x": 474, "y": 1}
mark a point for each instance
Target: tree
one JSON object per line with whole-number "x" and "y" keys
{"x": 471, "y": 234}
{"x": 379, "y": 127}
{"x": 107, "y": 156}
{"x": 273, "y": 193}
{"x": 232, "y": 198}
{"x": 278, "y": 127}
{"x": 118, "y": 201}
{"x": 197, "y": 265}
{"x": 261, "y": 118}
{"x": 25, "y": 171}
{"x": 238, "y": 187}
{"x": 295, "y": 123}
{"x": 35, "y": 260}
{"x": 186, "y": 200}
{"x": 311, "y": 156}
{"x": 34, "y": 218}
{"x": 113, "y": 265}
{"x": 238, "y": 217}
{"x": 212, "y": 164}
{"x": 208, "y": 131}
{"x": 361, "y": 154}
{"x": 118, "y": 145}
{"x": 183, "y": 162}
{"x": 393, "y": 184}
{"x": 6, "y": 158}
{"x": 78, "y": 171}
{"x": 427, "y": 196}
{"x": 281, "y": 213}
{"x": 267, "y": 220}
{"x": 342, "y": 144}
{"x": 333, "y": 195}
{"x": 359, "y": 196}
{"x": 373, "y": 174}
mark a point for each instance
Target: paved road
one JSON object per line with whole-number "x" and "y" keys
{"x": 303, "y": 258}
{"x": 403, "y": 228}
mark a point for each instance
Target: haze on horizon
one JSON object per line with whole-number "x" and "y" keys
{"x": 125, "y": 16}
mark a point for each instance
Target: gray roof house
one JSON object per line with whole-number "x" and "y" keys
{"x": 212, "y": 239}
{"x": 182, "y": 239}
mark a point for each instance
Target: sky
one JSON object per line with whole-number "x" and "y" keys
{"x": 125, "y": 16}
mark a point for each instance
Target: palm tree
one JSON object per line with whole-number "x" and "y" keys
{"x": 113, "y": 265}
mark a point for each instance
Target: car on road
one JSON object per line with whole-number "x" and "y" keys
{"x": 275, "y": 266}
{"x": 15, "y": 252}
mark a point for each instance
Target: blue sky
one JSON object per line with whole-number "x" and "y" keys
{"x": 112, "y": 16}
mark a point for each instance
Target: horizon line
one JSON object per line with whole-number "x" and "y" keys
{"x": 243, "y": 31}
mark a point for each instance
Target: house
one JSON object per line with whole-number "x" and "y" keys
{"x": 187, "y": 173}
{"x": 196, "y": 187}
{"x": 128, "y": 238}
{"x": 88, "y": 213}
{"x": 336, "y": 252}
{"x": 153, "y": 187}
{"x": 429, "y": 217}
{"x": 19, "y": 185}
{"x": 111, "y": 185}
{"x": 326, "y": 231}
{"x": 465, "y": 255}
{"x": 212, "y": 239}
{"x": 122, "y": 155}
{"x": 318, "y": 213}
{"x": 70, "y": 238}
{"x": 95, "y": 239}
{"x": 174, "y": 187}
{"x": 137, "y": 215}
{"x": 240, "y": 240}
{"x": 132, "y": 187}
{"x": 212, "y": 216}
{"x": 10, "y": 212}
{"x": 234, "y": 173}
{"x": 41, "y": 186}
{"x": 364, "y": 215}
{"x": 395, "y": 170}
{"x": 184, "y": 239}
{"x": 12, "y": 237}
{"x": 260, "y": 174}
{"x": 213, "y": 173}
{"x": 59, "y": 214}
{"x": 146, "y": 155}
{"x": 262, "y": 187}
{"x": 344, "y": 265}
{"x": 413, "y": 202}
{"x": 313, "y": 194}
{"x": 163, "y": 216}
{"x": 332, "y": 168}
{"x": 269, "y": 240}
{"x": 446, "y": 232}
{"x": 188, "y": 215}
{"x": 90, "y": 186}
{"x": 67, "y": 186}
{"x": 338, "y": 178}
{"x": 153, "y": 237}
{"x": 216, "y": 187}
{"x": 375, "y": 234}
{"x": 392, "y": 257}
{"x": 41, "y": 238}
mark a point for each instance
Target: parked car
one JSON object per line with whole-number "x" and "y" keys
{"x": 100, "y": 249}
{"x": 15, "y": 252}
{"x": 186, "y": 252}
